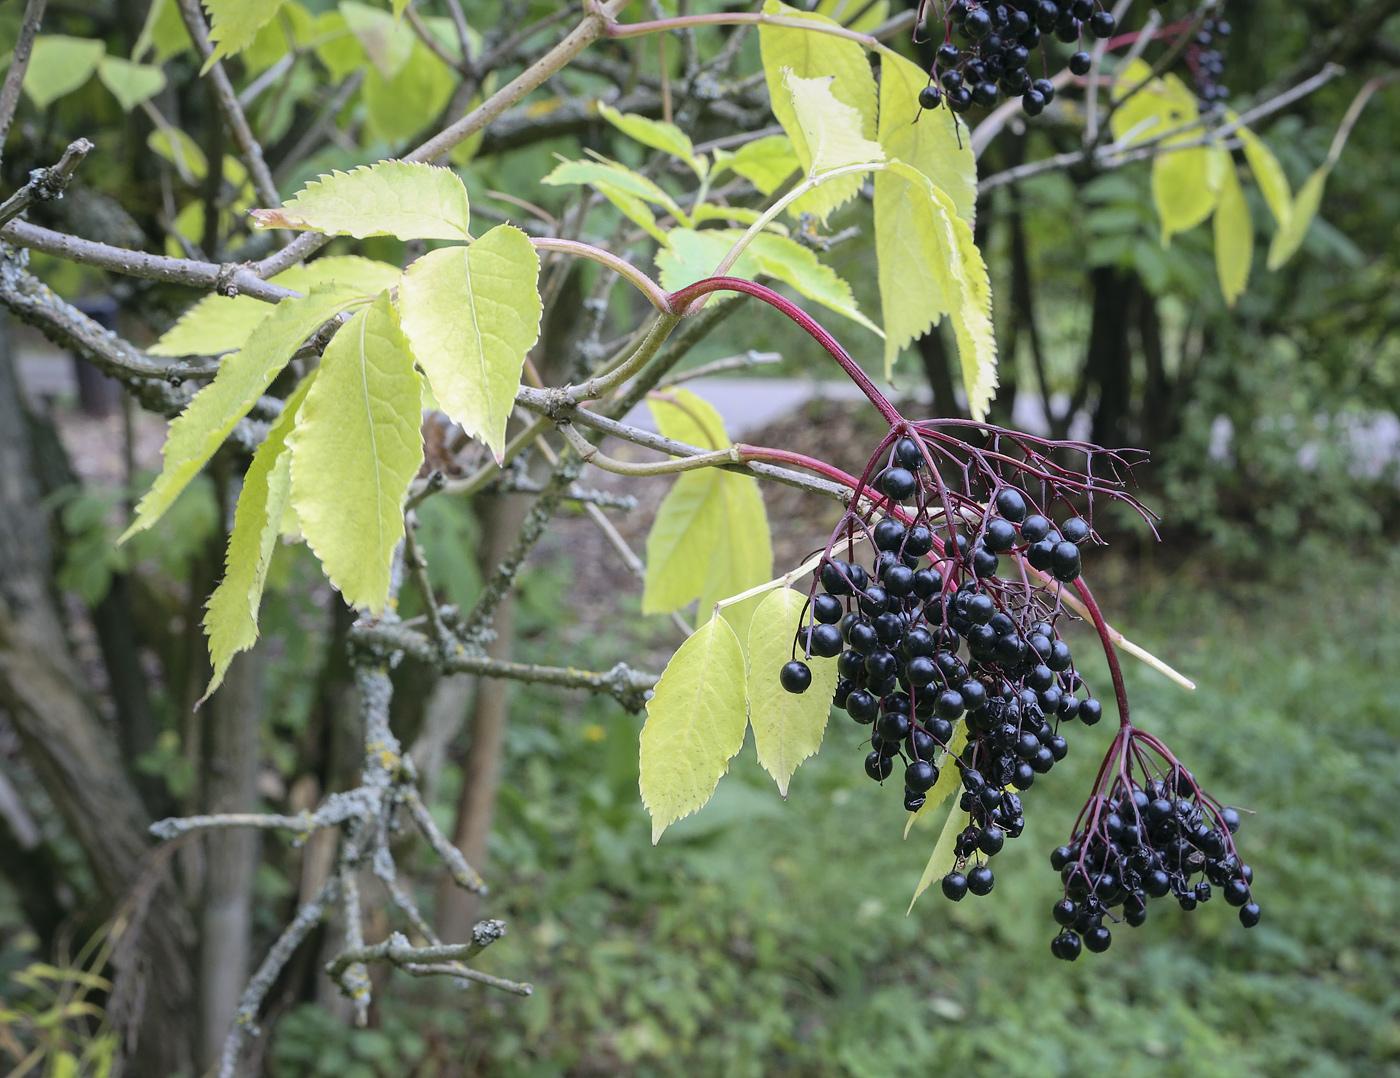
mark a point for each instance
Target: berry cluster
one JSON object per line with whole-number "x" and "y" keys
{"x": 1149, "y": 831}
{"x": 1206, "y": 59}
{"x": 933, "y": 586}
{"x": 987, "y": 47}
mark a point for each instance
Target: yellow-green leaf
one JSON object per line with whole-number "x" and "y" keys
{"x": 907, "y": 263}
{"x": 164, "y": 31}
{"x": 934, "y": 141}
{"x": 685, "y": 417}
{"x": 231, "y": 618}
{"x": 181, "y": 151}
{"x": 695, "y": 724}
{"x": 390, "y": 198}
{"x": 213, "y": 326}
{"x": 234, "y": 23}
{"x": 337, "y": 47}
{"x": 949, "y": 779}
{"x": 765, "y": 162}
{"x": 387, "y": 42}
{"x": 944, "y": 855}
{"x": 130, "y": 83}
{"x": 243, "y": 377}
{"x": 1181, "y": 187}
{"x": 815, "y": 55}
{"x": 683, "y": 535}
{"x": 1290, "y": 236}
{"x": 293, "y": 27}
{"x": 1234, "y": 237}
{"x": 604, "y": 174}
{"x": 219, "y": 324}
{"x": 1268, "y": 174}
{"x": 1159, "y": 107}
{"x": 787, "y": 727}
{"x": 832, "y": 130}
{"x": 59, "y": 65}
{"x": 356, "y": 448}
{"x": 962, "y": 283}
{"x": 399, "y": 107}
{"x": 472, "y": 313}
{"x": 744, "y": 556}
{"x": 666, "y": 137}
{"x": 865, "y": 16}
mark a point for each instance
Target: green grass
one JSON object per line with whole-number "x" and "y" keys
{"x": 770, "y": 938}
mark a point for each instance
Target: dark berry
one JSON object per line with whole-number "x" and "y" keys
{"x": 959, "y": 100}
{"x": 1045, "y": 88}
{"x": 1060, "y": 856}
{"x": 862, "y": 638}
{"x": 985, "y": 563}
{"x": 1098, "y": 939}
{"x": 921, "y": 671}
{"x": 980, "y": 881}
{"x": 929, "y": 97}
{"x": 881, "y": 665}
{"x": 893, "y": 726}
{"x": 1000, "y": 535}
{"x": 919, "y": 540}
{"x": 833, "y": 578}
{"x": 1075, "y": 530}
{"x": 920, "y": 775}
{"x": 927, "y": 583}
{"x": 862, "y": 706}
{"x": 1065, "y": 911}
{"x": 1079, "y": 64}
{"x": 1023, "y": 778}
{"x": 1034, "y": 528}
{"x": 827, "y": 609}
{"x": 1090, "y": 711}
{"x": 913, "y": 800}
{"x": 1102, "y": 24}
{"x": 874, "y": 601}
{"x": 1064, "y": 561}
{"x": 795, "y": 676}
{"x": 955, "y": 886}
{"x": 889, "y": 535}
{"x": 898, "y": 483}
{"x": 921, "y": 746}
{"x": 878, "y": 766}
{"x": 1249, "y": 915}
{"x": 899, "y": 580}
{"x": 1066, "y": 946}
{"x": 1010, "y": 503}
{"x": 826, "y": 641}
{"x": 1033, "y": 102}
{"x": 1046, "y": 13}
{"x": 992, "y": 840}
{"x": 978, "y": 25}
{"x": 949, "y": 55}
{"x": 951, "y": 80}
{"x": 1231, "y": 819}
{"x": 917, "y": 641}
{"x": 985, "y": 94}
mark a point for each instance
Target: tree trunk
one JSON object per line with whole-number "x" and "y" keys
{"x": 1109, "y": 360}
{"x": 934, "y": 354}
{"x": 65, "y": 741}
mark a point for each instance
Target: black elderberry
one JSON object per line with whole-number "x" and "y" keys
{"x": 949, "y": 704}
{"x": 1098, "y": 939}
{"x": 918, "y": 541}
{"x": 878, "y": 766}
{"x": 883, "y": 747}
{"x": 833, "y": 577}
{"x": 1064, "y": 561}
{"x": 1081, "y": 9}
{"x": 874, "y": 600}
{"x": 921, "y": 746}
{"x": 949, "y": 55}
{"x": 850, "y": 665}
{"x": 1023, "y": 777}
{"x": 992, "y": 840}
{"x": 978, "y": 25}
{"x": 893, "y": 726}
{"x": 1231, "y": 818}
{"x": 889, "y": 535}
{"x": 960, "y": 100}
{"x": 921, "y": 671}
{"x": 1046, "y": 13}
{"x": 899, "y": 581}
{"x": 1203, "y": 891}
{"x": 862, "y": 706}
{"x": 826, "y": 641}
{"x": 1102, "y": 24}
{"x": 973, "y": 693}
{"x": 1058, "y": 746}
{"x": 1079, "y": 64}
{"x": 889, "y": 628}
{"x": 880, "y": 665}
{"x": 917, "y": 642}
{"x": 1067, "y": 30}
{"x": 913, "y": 800}
{"x": 951, "y": 80}
{"x": 1249, "y": 915}
{"x": 1061, "y": 856}
{"x": 795, "y": 676}
{"x": 940, "y": 728}
{"x": 1045, "y": 88}
{"x": 1034, "y": 528}
{"x": 1066, "y": 945}
{"x": 1015, "y": 81}
{"x": 985, "y": 94}
{"x": 858, "y": 576}
{"x": 862, "y": 638}
{"x": 927, "y": 583}
{"x": 1017, "y": 23}
{"x": 1065, "y": 912}
{"x": 980, "y": 880}
{"x": 985, "y": 563}
{"x": 1000, "y": 535}
{"x": 1059, "y": 658}
{"x": 1033, "y": 102}
{"x": 1075, "y": 530}
{"x": 1090, "y": 711}
{"x": 898, "y": 483}
{"x": 827, "y": 609}
{"x": 929, "y": 97}
{"x": 955, "y": 886}
{"x": 920, "y": 775}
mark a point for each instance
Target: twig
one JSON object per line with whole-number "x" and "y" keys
{"x": 46, "y": 184}
{"x": 463, "y": 875}
{"x": 742, "y": 362}
{"x": 1091, "y": 94}
{"x": 324, "y": 120}
{"x": 417, "y": 565}
{"x": 19, "y": 64}
{"x": 431, "y": 960}
{"x": 436, "y": 47}
{"x": 228, "y": 104}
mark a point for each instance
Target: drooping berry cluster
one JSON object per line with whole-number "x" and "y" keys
{"x": 1147, "y": 832}
{"x": 987, "y": 48}
{"x": 1206, "y": 59}
{"x": 975, "y": 563}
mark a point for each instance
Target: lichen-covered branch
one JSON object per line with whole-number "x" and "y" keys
{"x": 46, "y": 184}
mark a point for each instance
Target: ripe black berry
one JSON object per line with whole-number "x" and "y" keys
{"x": 920, "y": 775}
{"x": 1064, "y": 561}
{"x": 980, "y": 881}
{"x": 1000, "y": 535}
{"x": 795, "y": 676}
{"x": 929, "y": 97}
{"x": 1065, "y": 911}
{"x": 898, "y": 483}
{"x": 862, "y": 706}
{"x": 1079, "y": 64}
{"x": 1102, "y": 24}
{"x": 1090, "y": 711}
{"x": 1075, "y": 530}
{"x": 833, "y": 577}
{"x": 1249, "y": 915}
{"x": 827, "y": 609}
{"x": 955, "y": 886}
{"x": 1034, "y": 528}
{"x": 878, "y": 766}
{"x": 978, "y": 25}
{"x": 1098, "y": 939}
{"x": 949, "y": 55}
{"x": 1034, "y": 104}
{"x": 826, "y": 641}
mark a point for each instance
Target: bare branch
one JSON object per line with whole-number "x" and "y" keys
{"x": 19, "y": 64}
{"x": 46, "y": 184}
{"x": 430, "y": 961}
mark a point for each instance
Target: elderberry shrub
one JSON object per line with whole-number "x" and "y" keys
{"x": 988, "y": 47}
{"x": 1205, "y": 58}
{"x": 946, "y": 633}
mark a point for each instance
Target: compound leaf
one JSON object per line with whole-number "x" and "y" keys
{"x": 130, "y": 83}
{"x": 695, "y": 724}
{"x": 944, "y": 855}
{"x": 58, "y": 65}
{"x": 668, "y": 138}
{"x": 1290, "y": 236}
{"x": 1269, "y": 175}
{"x": 356, "y": 448}
{"x": 243, "y": 377}
{"x": 233, "y": 24}
{"x": 935, "y": 141}
{"x": 231, "y": 618}
{"x": 471, "y": 314}
{"x": 391, "y": 198}
{"x": 1181, "y": 187}
{"x": 1234, "y": 237}
{"x": 809, "y": 55}
{"x": 387, "y": 42}
{"x": 787, "y": 727}
{"x": 765, "y": 162}
{"x": 831, "y": 129}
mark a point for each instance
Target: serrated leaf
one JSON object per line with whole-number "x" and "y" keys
{"x": 683, "y": 535}
{"x": 231, "y": 616}
{"x": 233, "y": 24}
{"x": 744, "y": 556}
{"x": 865, "y": 16}
{"x": 213, "y": 326}
{"x": 944, "y": 855}
{"x": 962, "y": 283}
{"x": 219, "y": 324}
{"x": 814, "y": 55}
{"x": 765, "y": 162}
{"x": 609, "y": 174}
{"x": 934, "y": 141}
{"x": 243, "y": 377}
{"x": 1269, "y": 175}
{"x": 1181, "y": 188}
{"x": 58, "y": 65}
{"x": 832, "y": 130}
{"x": 294, "y": 27}
{"x": 695, "y": 724}
{"x": 164, "y": 31}
{"x": 666, "y": 137}
{"x": 391, "y": 198}
{"x": 1290, "y": 237}
{"x": 907, "y": 263}
{"x": 949, "y": 778}
{"x": 1234, "y": 237}
{"x": 130, "y": 83}
{"x": 472, "y": 313}
{"x": 708, "y": 211}
{"x": 387, "y": 42}
{"x": 399, "y": 107}
{"x": 787, "y": 727}
{"x": 356, "y": 448}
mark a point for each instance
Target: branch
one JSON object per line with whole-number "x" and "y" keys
{"x": 46, "y": 184}
{"x": 19, "y": 64}
{"x": 228, "y": 104}
{"x": 429, "y": 961}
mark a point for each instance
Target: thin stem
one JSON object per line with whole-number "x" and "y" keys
{"x": 46, "y": 184}
{"x": 655, "y": 294}
{"x": 681, "y": 300}
{"x": 1120, "y": 690}
{"x": 19, "y": 64}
